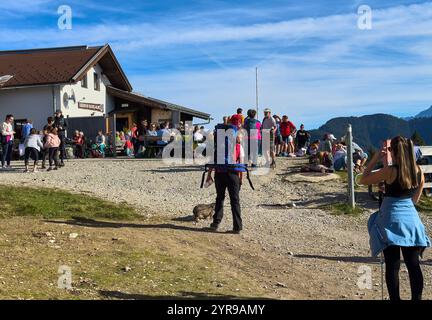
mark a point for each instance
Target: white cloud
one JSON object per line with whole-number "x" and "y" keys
{"x": 311, "y": 68}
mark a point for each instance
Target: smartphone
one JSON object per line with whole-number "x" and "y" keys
{"x": 388, "y": 161}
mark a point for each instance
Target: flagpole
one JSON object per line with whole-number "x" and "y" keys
{"x": 256, "y": 90}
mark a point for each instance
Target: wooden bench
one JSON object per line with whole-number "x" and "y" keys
{"x": 153, "y": 148}
{"x": 427, "y": 169}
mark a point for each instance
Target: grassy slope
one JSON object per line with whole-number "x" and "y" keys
{"x": 50, "y": 203}
{"x": 163, "y": 261}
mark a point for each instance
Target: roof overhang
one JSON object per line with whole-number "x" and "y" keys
{"x": 112, "y": 70}
{"x": 155, "y": 103}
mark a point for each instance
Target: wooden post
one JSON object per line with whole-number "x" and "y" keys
{"x": 350, "y": 165}
{"x": 113, "y": 139}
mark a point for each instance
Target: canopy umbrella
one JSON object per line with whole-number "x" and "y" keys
{"x": 4, "y": 79}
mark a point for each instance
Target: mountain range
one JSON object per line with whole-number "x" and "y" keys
{"x": 369, "y": 131}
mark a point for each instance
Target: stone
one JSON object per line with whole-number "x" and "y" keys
{"x": 127, "y": 269}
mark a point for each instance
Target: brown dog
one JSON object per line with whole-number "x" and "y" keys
{"x": 203, "y": 211}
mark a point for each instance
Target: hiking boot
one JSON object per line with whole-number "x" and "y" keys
{"x": 214, "y": 227}
{"x": 234, "y": 232}
{"x": 49, "y": 168}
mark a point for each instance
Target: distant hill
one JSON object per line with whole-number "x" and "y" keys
{"x": 371, "y": 130}
{"x": 425, "y": 114}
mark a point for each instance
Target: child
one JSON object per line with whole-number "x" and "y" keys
{"x": 52, "y": 144}
{"x": 33, "y": 145}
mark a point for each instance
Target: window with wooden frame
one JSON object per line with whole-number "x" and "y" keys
{"x": 84, "y": 82}
{"x": 96, "y": 82}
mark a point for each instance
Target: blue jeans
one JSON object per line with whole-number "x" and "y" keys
{"x": 340, "y": 164}
{"x": 7, "y": 153}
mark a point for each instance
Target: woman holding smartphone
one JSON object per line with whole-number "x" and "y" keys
{"x": 397, "y": 226}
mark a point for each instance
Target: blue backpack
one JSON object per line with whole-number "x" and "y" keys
{"x": 227, "y": 166}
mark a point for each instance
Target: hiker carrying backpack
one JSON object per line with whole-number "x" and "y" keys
{"x": 229, "y": 170}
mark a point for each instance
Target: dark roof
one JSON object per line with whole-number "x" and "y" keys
{"x": 59, "y": 65}
{"x": 156, "y": 103}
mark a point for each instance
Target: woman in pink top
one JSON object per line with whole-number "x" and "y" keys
{"x": 52, "y": 144}
{"x": 253, "y": 128}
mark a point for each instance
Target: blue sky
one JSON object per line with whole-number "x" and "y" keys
{"x": 314, "y": 62}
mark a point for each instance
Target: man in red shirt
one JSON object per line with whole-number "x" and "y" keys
{"x": 238, "y": 119}
{"x": 288, "y": 130}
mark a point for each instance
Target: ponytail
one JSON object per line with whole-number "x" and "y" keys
{"x": 412, "y": 164}
{"x": 403, "y": 151}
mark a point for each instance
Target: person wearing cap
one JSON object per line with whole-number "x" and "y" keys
{"x": 269, "y": 124}
{"x": 327, "y": 145}
{"x": 61, "y": 125}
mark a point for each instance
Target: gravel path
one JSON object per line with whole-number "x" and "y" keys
{"x": 328, "y": 249}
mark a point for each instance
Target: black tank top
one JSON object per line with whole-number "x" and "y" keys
{"x": 395, "y": 190}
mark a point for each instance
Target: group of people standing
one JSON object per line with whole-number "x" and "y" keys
{"x": 284, "y": 138}
{"x": 48, "y": 143}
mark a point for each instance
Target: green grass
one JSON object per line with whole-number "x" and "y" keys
{"x": 343, "y": 175}
{"x": 425, "y": 205}
{"x": 342, "y": 209}
{"x": 50, "y": 203}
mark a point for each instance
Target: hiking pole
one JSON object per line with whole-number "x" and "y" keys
{"x": 382, "y": 276}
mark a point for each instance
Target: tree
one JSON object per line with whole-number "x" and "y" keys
{"x": 417, "y": 139}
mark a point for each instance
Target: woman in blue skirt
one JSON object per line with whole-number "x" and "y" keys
{"x": 397, "y": 226}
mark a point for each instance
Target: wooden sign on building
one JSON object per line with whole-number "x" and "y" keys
{"x": 91, "y": 106}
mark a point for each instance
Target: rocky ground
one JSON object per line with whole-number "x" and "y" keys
{"x": 294, "y": 251}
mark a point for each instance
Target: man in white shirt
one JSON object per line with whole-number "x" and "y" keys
{"x": 269, "y": 124}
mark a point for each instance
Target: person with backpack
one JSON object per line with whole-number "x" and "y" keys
{"x": 7, "y": 139}
{"x": 397, "y": 226}
{"x": 253, "y": 128}
{"x": 228, "y": 175}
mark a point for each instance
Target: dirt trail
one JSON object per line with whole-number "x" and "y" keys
{"x": 284, "y": 252}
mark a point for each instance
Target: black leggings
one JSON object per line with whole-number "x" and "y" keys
{"x": 411, "y": 257}
{"x": 31, "y": 152}
{"x": 52, "y": 156}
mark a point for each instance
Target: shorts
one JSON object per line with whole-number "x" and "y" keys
{"x": 278, "y": 140}
{"x": 358, "y": 156}
{"x": 288, "y": 139}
